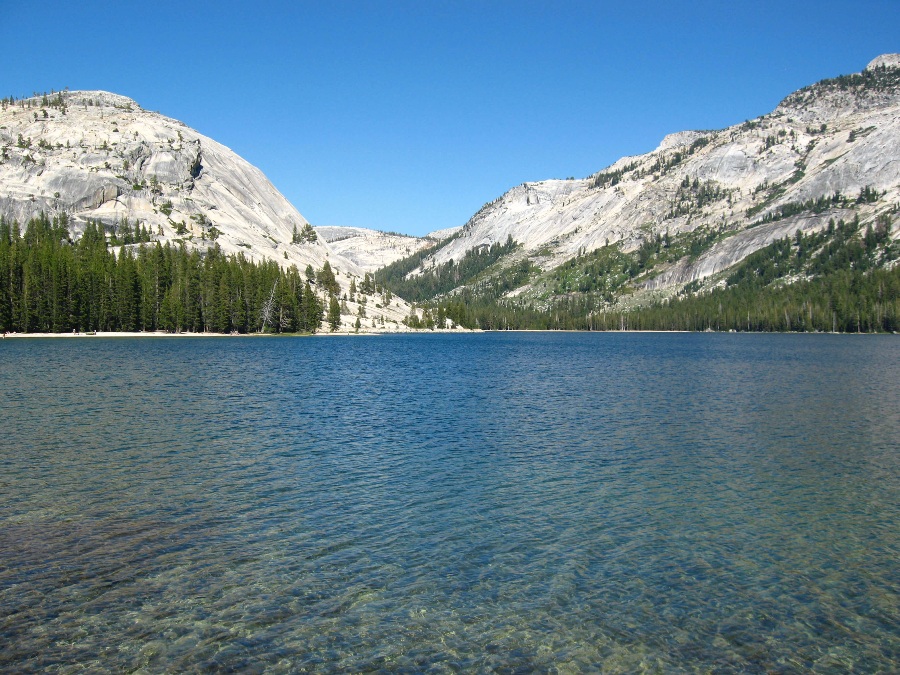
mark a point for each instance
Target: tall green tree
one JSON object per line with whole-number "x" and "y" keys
{"x": 334, "y": 313}
{"x": 326, "y": 279}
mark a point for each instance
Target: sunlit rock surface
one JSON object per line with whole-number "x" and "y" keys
{"x": 838, "y": 136}
{"x": 369, "y": 249}
{"x": 93, "y": 155}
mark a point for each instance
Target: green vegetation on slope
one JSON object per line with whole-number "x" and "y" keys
{"x": 843, "y": 279}
{"x": 439, "y": 279}
{"x": 867, "y": 195}
{"x": 607, "y": 271}
{"x": 691, "y": 197}
{"x": 875, "y": 80}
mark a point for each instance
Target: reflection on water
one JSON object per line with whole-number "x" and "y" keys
{"x": 515, "y": 502}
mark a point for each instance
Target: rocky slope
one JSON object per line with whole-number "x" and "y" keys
{"x": 96, "y": 155}
{"x": 100, "y": 156}
{"x": 369, "y": 249}
{"x": 734, "y": 190}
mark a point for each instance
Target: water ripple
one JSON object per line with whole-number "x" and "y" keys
{"x": 509, "y": 503}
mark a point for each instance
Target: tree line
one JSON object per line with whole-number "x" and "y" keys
{"x": 844, "y": 278}
{"x": 440, "y": 279}
{"x": 847, "y": 301}
{"x": 50, "y": 282}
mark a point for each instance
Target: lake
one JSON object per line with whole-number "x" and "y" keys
{"x": 508, "y": 502}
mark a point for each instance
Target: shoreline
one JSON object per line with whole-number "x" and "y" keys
{"x": 187, "y": 334}
{"x": 146, "y": 334}
{"x": 164, "y": 334}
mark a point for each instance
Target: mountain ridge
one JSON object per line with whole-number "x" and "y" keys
{"x": 676, "y": 219}
{"x": 369, "y": 249}
{"x": 98, "y": 157}
{"x": 733, "y": 190}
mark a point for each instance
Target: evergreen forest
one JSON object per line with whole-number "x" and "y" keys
{"x": 439, "y": 279}
{"x": 843, "y": 279}
{"x": 52, "y": 283}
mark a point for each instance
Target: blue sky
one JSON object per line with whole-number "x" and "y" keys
{"x": 408, "y": 116}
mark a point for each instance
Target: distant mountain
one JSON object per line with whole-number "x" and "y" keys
{"x": 370, "y": 249}
{"x": 686, "y": 213}
{"x": 98, "y": 156}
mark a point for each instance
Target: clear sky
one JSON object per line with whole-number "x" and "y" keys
{"x": 408, "y": 116}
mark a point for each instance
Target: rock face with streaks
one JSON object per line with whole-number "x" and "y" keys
{"x": 839, "y": 136}
{"x": 93, "y": 155}
{"x": 96, "y": 155}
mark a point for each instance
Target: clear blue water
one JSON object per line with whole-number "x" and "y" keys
{"x": 437, "y": 503}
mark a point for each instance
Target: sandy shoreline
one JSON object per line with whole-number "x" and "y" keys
{"x": 164, "y": 334}
{"x": 123, "y": 334}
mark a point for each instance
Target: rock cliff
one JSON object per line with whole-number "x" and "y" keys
{"x": 94, "y": 155}
{"x": 745, "y": 185}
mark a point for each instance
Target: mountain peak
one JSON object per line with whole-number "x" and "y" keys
{"x": 886, "y": 60}
{"x": 96, "y": 155}
{"x": 679, "y": 139}
{"x": 95, "y": 97}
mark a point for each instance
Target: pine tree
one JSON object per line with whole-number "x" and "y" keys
{"x": 327, "y": 280}
{"x": 334, "y": 313}
{"x": 311, "y": 311}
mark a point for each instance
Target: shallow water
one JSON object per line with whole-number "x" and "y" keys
{"x": 506, "y": 502}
